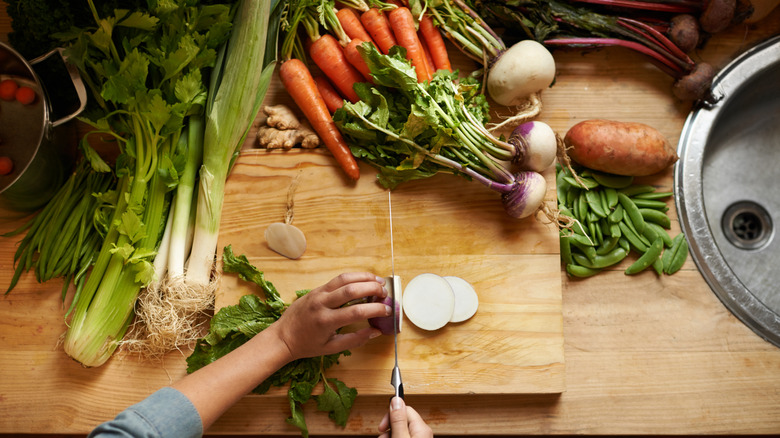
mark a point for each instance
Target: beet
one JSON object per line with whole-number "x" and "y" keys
{"x": 695, "y": 85}
{"x": 684, "y": 32}
{"x": 717, "y": 15}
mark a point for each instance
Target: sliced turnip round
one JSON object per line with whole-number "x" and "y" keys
{"x": 466, "y": 299}
{"x": 428, "y": 301}
{"x": 286, "y": 239}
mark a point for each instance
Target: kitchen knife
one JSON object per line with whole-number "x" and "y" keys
{"x": 395, "y": 288}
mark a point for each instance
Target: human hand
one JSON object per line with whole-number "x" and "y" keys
{"x": 308, "y": 327}
{"x": 403, "y": 422}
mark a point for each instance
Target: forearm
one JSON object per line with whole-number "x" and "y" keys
{"x": 216, "y": 387}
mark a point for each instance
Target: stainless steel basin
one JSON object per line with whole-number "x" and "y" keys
{"x": 727, "y": 188}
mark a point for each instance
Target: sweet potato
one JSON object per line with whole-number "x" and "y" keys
{"x": 622, "y": 148}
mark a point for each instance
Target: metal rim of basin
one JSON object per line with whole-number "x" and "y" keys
{"x": 689, "y": 194}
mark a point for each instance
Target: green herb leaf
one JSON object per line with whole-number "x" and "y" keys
{"x": 338, "y": 402}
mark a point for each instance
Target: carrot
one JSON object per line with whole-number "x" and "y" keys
{"x": 428, "y": 60}
{"x": 351, "y": 24}
{"x": 357, "y": 61}
{"x": 403, "y": 25}
{"x": 376, "y": 24}
{"x": 332, "y": 98}
{"x": 436, "y": 46}
{"x": 327, "y": 53}
{"x": 622, "y": 148}
{"x": 298, "y": 81}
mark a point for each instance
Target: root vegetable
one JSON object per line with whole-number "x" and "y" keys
{"x": 285, "y": 239}
{"x": 394, "y": 298}
{"x": 526, "y": 194}
{"x": 522, "y": 70}
{"x": 696, "y": 84}
{"x": 622, "y": 148}
{"x": 535, "y": 144}
{"x": 273, "y": 138}
{"x": 684, "y": 32}
{"x": 717, "y": 15}
{"x": 466, "y": 299}
{"x": 428, "y": 301}
{"x": 281, "y": 117}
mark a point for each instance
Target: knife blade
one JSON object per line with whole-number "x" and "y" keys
{"x": 395, "y": 286}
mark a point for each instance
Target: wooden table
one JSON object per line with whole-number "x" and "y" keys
{"x": 643, "y": 354}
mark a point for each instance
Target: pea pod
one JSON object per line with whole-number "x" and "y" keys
{"x": 589, "y": 251}
{"x": 582, "y": 205}
{"x": 587, "y": 183}
{"x": 607, "y": 245}
{"x": 654, "y": 195}
{"x": 571, "y": 196}
{"x": 565, "y": 242}
{"x": 601, "y": 261}
{"x": 660, "y": 232}
{"x": 632, "y": 211}
{"x": 593, "y": 199}
{"x": 660, "y": 218}
{"x": 611, "y": 195}
{"x": 561, "y": 186}
{"x": 647, "y": 259}
{"x": 612, "y": 180}
{"x": 637, "y": 189}
{"x": 632, "y": 238}
{"x": 581, "y": 271}
{"x": 616, "y": 215}
{"x": 674, "y": 257}
{"x": 650, "y": 203}
{"x": 658, "y": 266}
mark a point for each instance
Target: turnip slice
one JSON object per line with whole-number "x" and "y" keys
{"x": 286, "y": 239}
{"x": 466, "y": 299}
{"x": 428, "y": 301}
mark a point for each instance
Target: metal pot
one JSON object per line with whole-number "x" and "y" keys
{"x": 37, "y": 139}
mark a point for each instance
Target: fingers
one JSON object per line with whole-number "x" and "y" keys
{"x": 352, "y": 286}
{"x": 348, "y": 341}
{"x": 399, "y": 425}
{"x": 417, "y": 426}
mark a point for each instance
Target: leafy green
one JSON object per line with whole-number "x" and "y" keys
{"x": 232, "y": 326}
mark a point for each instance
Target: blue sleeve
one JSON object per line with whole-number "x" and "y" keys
{"x": 165, "y": 413}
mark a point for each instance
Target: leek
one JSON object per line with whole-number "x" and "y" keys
{"x": 234, "y": 100}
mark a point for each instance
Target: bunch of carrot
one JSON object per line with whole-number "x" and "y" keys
{"x": 335, "y": 54}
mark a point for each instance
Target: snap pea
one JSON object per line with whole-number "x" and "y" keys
{"x": 612, "y": 199}
{"x": 637, "y": 189}
{"x": 607, "y": 245}
{"x": 589, "y": 251}
{"x": 647, "y": 259}
{"x": 660, "y": 218}
{"x": 614, "y": 230}
{"x": 660, "y": 232}
{"x": 601, "y": 261}
{"x": 639, "y": 235}
{"x": 632, "y": 211}
{"x": 581, "y": 271}
{"x": 658, "y": 266}
{"x": 678, "y": 253}
{"x": 587, "y": 183}
{"x": 616, "y": 215}
{"x": 571, "y": 196}
{"x": 604, "y": 203}
{"x": 650, "y": 203}
{"x": 593, "y": 199}
{"x": 632, "y": 237}
{"x": 612, "y": 180}
{"x": 582, "y": 240}
{"x": 582, "y": 202}
{"x": 623, "y": 243}
{"x": 566, "y": 250}
{"x": 561, "y": 186}
{"x": 654, "y": 195}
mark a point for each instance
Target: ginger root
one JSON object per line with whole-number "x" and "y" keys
{"x": 283, "y": 130}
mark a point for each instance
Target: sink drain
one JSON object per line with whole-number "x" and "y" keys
{"x": 747, "y": 225}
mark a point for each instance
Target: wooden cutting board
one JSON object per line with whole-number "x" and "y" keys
{"x": 444, "y": 225}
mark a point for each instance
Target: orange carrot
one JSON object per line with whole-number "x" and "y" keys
{"x": 402, "y": 23}
{"x": 327, "y": 53}
{"x": 357, "y": 61}
{"x": 351, "y": 24}
{"x": 332, "y": 98}
{"x": 376, "y": 24}
{"x": 298, "y": 81}
{"x": 435, "y": 43}
{"x": 428, "y": 60}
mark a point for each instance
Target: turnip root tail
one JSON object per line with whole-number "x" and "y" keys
{"x": 530, "y": 109}
{"x": 565, "y": 160}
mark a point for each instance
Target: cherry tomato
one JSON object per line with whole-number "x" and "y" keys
{"x": 6, "y": 165}
{"x": 8, "y": 89}
{"x": 25, "y": 95}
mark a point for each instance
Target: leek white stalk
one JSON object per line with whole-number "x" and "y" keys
{"x": 234, "y": 99}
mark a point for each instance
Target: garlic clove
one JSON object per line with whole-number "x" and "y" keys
{"x": 286, "y": 240}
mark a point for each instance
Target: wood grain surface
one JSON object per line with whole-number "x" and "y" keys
{"x": 643, "y": 354}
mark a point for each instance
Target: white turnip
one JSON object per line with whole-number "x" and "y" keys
{"x": 522, "y": 70}
{"x": 428, "y": 301}
{"x": 535, "y": 146}
{"x": 526, "y": 194}
{"x": 466, "y": 299}
{"x": 287, "y": 240}
{"x": 393, "y": 299}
